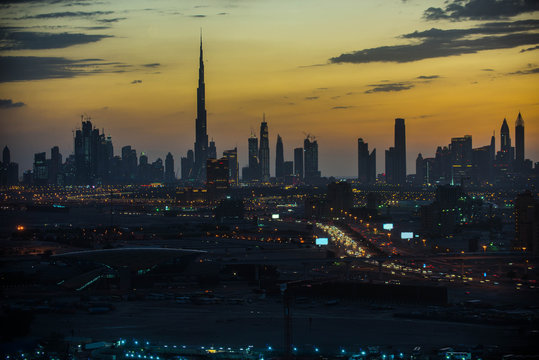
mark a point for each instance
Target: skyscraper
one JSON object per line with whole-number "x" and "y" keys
{"x": 279, "y": 158}
{"x": 55, "y": 165}
{"x": 170, "y": 178}
{"x": 212, "y": 150}
{"x": 311, "y": 159}
{"x": 188, "y": 164}
{"x": 41, "y": 170}
{"x": 264, "y": 154}
{"x": 6, "y": 156}
{"x": 505, "y": 139}
{"x": 366, "y": 164}
{"x": 400, "y": 152}
{"x": 217, "y": 178}
{"x": 232, "y": 157}
{"x": 461, "y": 158}
{"x": 298, "y": 162}
{"x": 201, "y": 135}
{"x": 519, "y": 141}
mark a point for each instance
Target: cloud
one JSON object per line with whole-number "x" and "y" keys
{"x": 530, "y": 49}
{"x": 64, "y": 14}
{"x": 525, "y": 72}
{"x": 152, "y": 65}
{"x": 428, "y": 77}
{"x": 487, "y": 69}
{"x": 458, "y": 10}
{"x": 113, "y": 20}
{"x": 9, "y": 104}
{"x": 435, "y": 43}
{"x": 136, "y": 82}
{"x": 19, "y": 40}
{"x": 322, "y": 88}
{"x": 401, "y": 86}
{"x": 26, "y": 68}
{"x": 198, "y": 16}
{"x": 311, "y": 98}
{"x": 222, "y": 13}
{"x": 342, "y": 107}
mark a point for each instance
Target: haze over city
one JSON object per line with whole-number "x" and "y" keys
{"x": 338, "y": 70}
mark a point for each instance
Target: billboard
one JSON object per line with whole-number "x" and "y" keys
{"x": 321, "y": 241}
{"x": 274, "y": 216}
{"x": 407, "y": 235}
{"x": 388, "y": 226}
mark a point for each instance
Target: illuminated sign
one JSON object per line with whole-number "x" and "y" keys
{"x": 407, "y": 235}
{"x": 321, "y": 241}
{"x": 274, "y": 216}
{"x": 388, "y": 226}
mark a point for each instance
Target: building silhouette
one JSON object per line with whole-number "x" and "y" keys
{"x": 366, "y": 163}
{"x": 264, "y": 152}
{"x": 526, "y": 223}
{"x": 232, "y": 157}
{"x": 41, "y": 169}
{"x": 298, "y": 162}
{"x": 55, "y": 166}
{"x": 212, "y": 150}
{"x": 279, "y": 158}
{"x": 217, "y": 180}
{"x": 170, "y": 177}
{"x": 519, "y": 142}
{"x": 400, "y": 152}
{"x": 9, "y": 171}
{"x": 310, "y": 145}
{"x": 201, "y": 135}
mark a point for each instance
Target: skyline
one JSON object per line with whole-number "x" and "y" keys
{"x": 142, "y": 89}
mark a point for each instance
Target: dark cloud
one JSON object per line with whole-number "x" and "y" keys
{"x": 65, "y": 14}
{"x": 311, "y": 98}
{"x": 428, "y": 77}
{"x": 530, "y": 49}
{"x": 389, "y": 87}
{"x": 25, "y": 68}
{"x": 322, "y": 88}
{"x": 136, "y": 82}
{"x": 526, "y": 72}
{"x": 152, "y": 65}
{"x": 198, "y": 16}
{"x": 222, "y": 13}
{"x": 19, "y": 40}
{"x": 113, "y": 20}
{"x": 9, "y": 104}
{"x": 487, "y": 69}
{"x": 435, "y": 43}
{"x": 341, "y": 107}
{"x": 458, "y": 10}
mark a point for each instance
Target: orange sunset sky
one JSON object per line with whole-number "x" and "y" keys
{"x": 338, "y": 70}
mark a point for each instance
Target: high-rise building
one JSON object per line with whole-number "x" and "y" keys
{"x": 390, "y": 165}
{"x": 201, "y": 135}
{"x": 366, "y": 163}
{"x": 157, "y": 171}
{"x": 217, "y": 183}
{"x": 311, "y": 159}
{"x": 400, "y": 152}
{"x": 232, "y": 157}
{"x": 288, "y": 168}
{"x": 41, "y": 169}
{"x": 6, "y": 156}
{"x": 170, "y": 177}
{"x": 419, "y": 170}
{"x": 9, "y": 171}
{"x": 279, "y": 158}
{"x": 264, "y": 152}
{"x": 212, "y": 150}
{"x": 129, "y": 165}
{"x": 526, "y": 223}
{"x": 505, "y": 139}
{"x": 519, "y": 141}
{"x": 461, "y": 158}
{"x": 253, "y": 168}
{"x": 188, "y": 164}
{"x": 55, "y": 165}
{"x": 298, "y": 162}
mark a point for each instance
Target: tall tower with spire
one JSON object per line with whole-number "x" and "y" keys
{"x": 264, "y": 155}
{"x": 505, "y": 139}
{"x": 201, "y": 134}
{"x": 519, "y": 140}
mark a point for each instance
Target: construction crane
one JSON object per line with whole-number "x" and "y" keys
{"x": 309, "y": 136}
